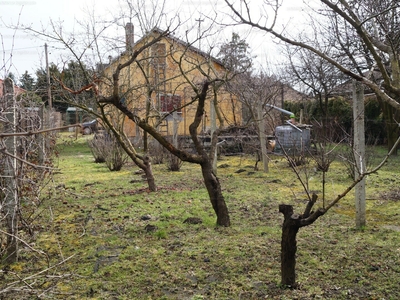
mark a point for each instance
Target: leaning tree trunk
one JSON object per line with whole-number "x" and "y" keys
{"x": 149, "y": 173}
{"x": 143, "y": 162}
{"x": 215, "y": 193}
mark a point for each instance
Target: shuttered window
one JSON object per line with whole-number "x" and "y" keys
{"x": 169, "y": 102}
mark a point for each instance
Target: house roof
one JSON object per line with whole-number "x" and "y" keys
{"x": 17, "y": 89}
{"x": 183, "y": 43}
{"x": 157, "y": 30}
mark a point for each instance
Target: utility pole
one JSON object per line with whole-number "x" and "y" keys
{"x": 47, "y": 121}
{"x": 48, "y": 78}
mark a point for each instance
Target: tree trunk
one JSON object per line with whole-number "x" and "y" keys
{"x": 214, "y": 191}
{"x": 210, "y": 179}
{"x": 145, "y": 141}
{"x": 149, "y": 174}
{"x": 288, "y": 247}
{"x": 144, "y": 162}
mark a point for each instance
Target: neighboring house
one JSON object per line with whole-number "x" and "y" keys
{"x": 292, "y": 95}
{"x": 154, "y": 84}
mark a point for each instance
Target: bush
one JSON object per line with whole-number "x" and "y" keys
{"x": 105, "y": 148}
{"x": 97, "y": 146}
{"x": 349, "y": 157}
{"x": 157, "y": 152}
{"x": 174, "y": 163}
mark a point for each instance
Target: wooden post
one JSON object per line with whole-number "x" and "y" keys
{"x": 41, "y": 137}
{"x": 301, "y": 116}
{"x": 48, "y": 78}
{"x": 263, "y": 141}
{"x": 175, "y": 129}
{"x": 359, "y": 151}
{"x": 10, "y": 174}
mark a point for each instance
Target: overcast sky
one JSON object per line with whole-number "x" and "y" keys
{"x": 21, "y": 51}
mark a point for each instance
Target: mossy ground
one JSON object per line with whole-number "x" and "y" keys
{"x": 100, "y": 217}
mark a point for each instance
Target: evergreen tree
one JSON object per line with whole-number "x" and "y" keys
{"x": 27, "y": 82}
{"x": 41, "y": 86}
{"x": 235, "y": 55}
{"x": 74, "y": 76}
{"x": 12, "y": 77}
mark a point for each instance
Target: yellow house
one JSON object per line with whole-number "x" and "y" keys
{"x": 158, "y": 85}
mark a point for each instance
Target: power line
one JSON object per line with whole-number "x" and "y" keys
{"x": 25, "y": 48}
{"x": 17, "y": 49}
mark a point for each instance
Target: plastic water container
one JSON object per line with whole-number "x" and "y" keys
{"x": 294, "y": 141}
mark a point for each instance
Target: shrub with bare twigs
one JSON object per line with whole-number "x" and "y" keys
{"x": 105, "y": 148}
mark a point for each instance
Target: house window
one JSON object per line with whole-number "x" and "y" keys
{"x": 169, "y": 102}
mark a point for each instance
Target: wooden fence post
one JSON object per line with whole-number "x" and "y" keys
{"x": 263, "y": 140}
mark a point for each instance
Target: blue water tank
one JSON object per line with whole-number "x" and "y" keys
{"x": 294, "y": 140}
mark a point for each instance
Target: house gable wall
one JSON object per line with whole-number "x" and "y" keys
{"x": 157, "y": 76}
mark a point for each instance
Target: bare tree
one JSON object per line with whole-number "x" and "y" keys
{"x": 204, "y": 87}
{"x": 256, "y": 91}
{"x": 114, "y": 123}
{"x": 318, "y": 79}
{"x": 26, "y": 167}
{"x": 321, "y": 81}
{"x": 134, "y": 82}
{"x": 366, "y": 49}
{"x": 75, "y": 88}
{"x": 294, "y": 221}
{"x": 363, "y": 32}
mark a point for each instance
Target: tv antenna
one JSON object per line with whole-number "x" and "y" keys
{"x": 199, "y": 31}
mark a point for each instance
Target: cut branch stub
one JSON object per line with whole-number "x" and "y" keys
{"x": 310, "y": 205}
{"x": 286, "y": 210}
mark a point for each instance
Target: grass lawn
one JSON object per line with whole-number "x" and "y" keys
{"x": 122, "y": 242}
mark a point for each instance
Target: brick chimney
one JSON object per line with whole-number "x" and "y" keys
{"x": 129, "y": 38}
